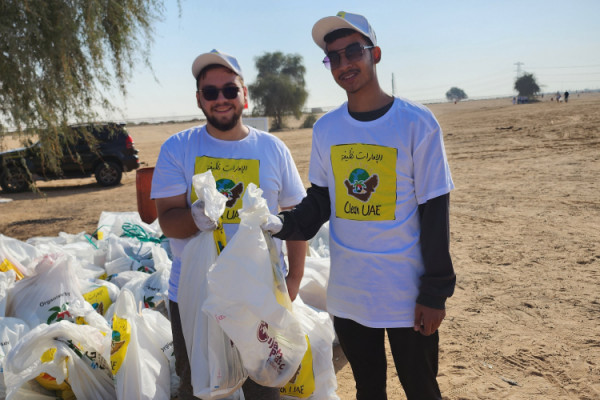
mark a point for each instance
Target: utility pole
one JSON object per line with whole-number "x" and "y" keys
{"x": 393, "y": 86}
{"x": 518, "y": 64}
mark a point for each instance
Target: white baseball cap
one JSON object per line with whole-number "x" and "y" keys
{"x": 216, "y": 57}
{"x": 342, "y": 20}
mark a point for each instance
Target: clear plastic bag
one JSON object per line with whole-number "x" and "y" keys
{"x": 140, "y": 368}
{"x": 64, "y": 353}
{"x": 215, "y": 363}
{"x": 315, "y": 379}
{"x": 249, "y": 300}
{"x": 44, "y": 297}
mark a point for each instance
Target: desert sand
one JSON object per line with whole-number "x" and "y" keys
{"x": 524, "y": 322}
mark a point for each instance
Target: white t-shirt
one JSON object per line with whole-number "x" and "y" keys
{"x": 378, "y": 172}
{"x": 260, "y": 158}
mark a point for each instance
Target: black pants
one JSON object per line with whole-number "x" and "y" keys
{"x": 252, "y": 390}
{"x": 415, "y": 357}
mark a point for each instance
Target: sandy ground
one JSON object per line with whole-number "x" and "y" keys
{"x": 524, "y": 322}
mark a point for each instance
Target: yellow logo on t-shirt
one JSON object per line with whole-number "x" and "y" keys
{"x": 232, "y": 176}
{"x": 365, "y": 181}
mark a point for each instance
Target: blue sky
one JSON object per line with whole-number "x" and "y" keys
{"x": 428, "y": 46}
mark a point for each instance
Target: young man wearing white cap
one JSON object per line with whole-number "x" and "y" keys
{"x": 379, "y": 174}
{"x": 237, "y": 155}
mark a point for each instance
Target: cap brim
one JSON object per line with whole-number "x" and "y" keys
{"x": 327, "y": 25}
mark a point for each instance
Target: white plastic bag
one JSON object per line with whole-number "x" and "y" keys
{"x": 319, "y": 244}
{"x": 7, "y": 280}
{"x": 140, "y": 368}
{"x": 82, "y": 246}
{"x": 83, "y": 268}
{"x": 251, "y": 306}
{"x": 11, "y": 330}
{"x": 313, "y": 286}
{"x": 18, "y": 256}
{"x": 100, "y": 294}
{"x": 112, "y": 222}
{"x": 153, "y": 291}
{"x": 65, "y": 352}
{"x": 163, "y": 336}
{"x": 215, "y": 363}
{"x": 44, "y": 297}
{"x": 315, "y": 379}
{"x": 128, "y": 254}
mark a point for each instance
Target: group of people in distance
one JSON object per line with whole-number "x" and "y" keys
{"x": 378, "y": 173}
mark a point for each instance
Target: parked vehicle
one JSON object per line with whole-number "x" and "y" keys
{"x": 103, "y": 150}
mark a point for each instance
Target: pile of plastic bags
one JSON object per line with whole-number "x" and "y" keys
{"x": 85, "y": 316}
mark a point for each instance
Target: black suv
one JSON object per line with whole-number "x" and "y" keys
{"x": 106, "y": 153}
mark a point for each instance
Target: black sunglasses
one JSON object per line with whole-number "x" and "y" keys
{"x": 211, "y": 93}
{"x": 353, "y": 52}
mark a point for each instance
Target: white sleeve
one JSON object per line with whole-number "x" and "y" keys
{"x": 431, "y": 170}
{"x": 169, "y": 173}
{"x": 292, "y": 190}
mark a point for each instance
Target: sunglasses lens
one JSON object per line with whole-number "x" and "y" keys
{"x": 332, "y": 61}
{"x": 210, "y": 93}
{"x": 230, "y": 92}
{"x": 354, "y": 52}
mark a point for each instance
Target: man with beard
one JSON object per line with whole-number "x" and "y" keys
{"x": 237, "y": 155}
{"x": 379, "y": 174}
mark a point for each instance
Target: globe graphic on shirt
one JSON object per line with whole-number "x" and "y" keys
{"x": 231, "y": 190}
{"x": 225, "y": 185}
{"x": 361, "y": 185}
{"x": 357, "y": 179}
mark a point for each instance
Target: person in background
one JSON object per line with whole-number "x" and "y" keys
{"x": 237, "y": 155}
{"x": 379, "y": 174}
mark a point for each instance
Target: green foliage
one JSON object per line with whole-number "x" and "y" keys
{"x": 455, "y": 94}
{"x": 60, "y": 58}
{"x": 309, "y": 121}
{"x": 526, "y": 85}
{"x": 279, "y": 89}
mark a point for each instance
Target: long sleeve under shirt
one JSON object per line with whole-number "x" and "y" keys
{"x": 439, "y": 279}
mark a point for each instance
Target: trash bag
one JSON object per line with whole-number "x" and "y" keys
{"x": 248, "y": 297}
{"x": 315, "y": 379}
{"x": 7, "y": 280}
{"x": 153, "y": 291}
{"x": 100, "y": 294}
{"x": 141, "y": 370}
{"x": 83, "y": 268}
{"x": 44, "y": 297}
{"x": 319, "y": 244}
{"x": 82, "y": 246}
{"x": 164, "y": 337}
{"x": 11, "y": 330}
{"x": 17, "y": 256}
{"x": 112, "y": 222}
{"x": 65, "y": 355}
{"x": 313, "y": 286}
{"x": 216, "y": 366}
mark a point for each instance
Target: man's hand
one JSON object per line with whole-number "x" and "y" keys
{"x": 272, "y": 224}
{"x": 202, "y": 221}
{"x": 428, "y": 320}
